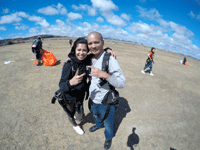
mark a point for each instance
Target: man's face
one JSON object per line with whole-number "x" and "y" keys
{"x": 95, "y": 44}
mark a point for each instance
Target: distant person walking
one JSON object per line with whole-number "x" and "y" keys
{"x": 36, "y": 49}
{"x": 70, "y": 42}
{"x": 149, "y": 61}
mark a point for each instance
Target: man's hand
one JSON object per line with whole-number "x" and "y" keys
{"x": 76, "y": 79}
{"x": 112, "y": 53}
{"x": 98, "y": 73}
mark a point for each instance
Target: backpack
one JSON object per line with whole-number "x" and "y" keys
{"x": 59, "y": 94}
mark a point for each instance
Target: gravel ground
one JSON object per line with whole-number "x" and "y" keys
{"x": 158, "y": 112}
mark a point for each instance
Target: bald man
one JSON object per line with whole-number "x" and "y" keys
{"x": 115, "y": 77}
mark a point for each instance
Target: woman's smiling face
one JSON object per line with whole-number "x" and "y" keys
{"x": 81, "y": 51}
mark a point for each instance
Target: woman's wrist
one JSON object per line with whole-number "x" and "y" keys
{"x": 71, "y": 83}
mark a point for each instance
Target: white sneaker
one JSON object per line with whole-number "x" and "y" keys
{"x": 143, "y": 72}
{"x": 78, "y": 130}
{"x": 151, "y": 74}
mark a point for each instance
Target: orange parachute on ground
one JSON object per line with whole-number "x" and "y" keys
{"x": 48, "y": 58}
{"x": 186, "y": 63}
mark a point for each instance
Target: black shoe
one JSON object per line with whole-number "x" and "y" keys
{"x": 38, "y": 64}
{"x": 107, "y": 144}
{"x": 93, "y": 128}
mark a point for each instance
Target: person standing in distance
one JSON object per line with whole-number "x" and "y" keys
{"x": 36, "y": 49}
{"x": 149, "y": 61}
{"x": 115, "y": 78}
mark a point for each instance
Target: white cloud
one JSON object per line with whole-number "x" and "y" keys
{"x": 198, "y": 17}
{"x": 80, "y": 7}
{"x": 17, "y": 24}
{"x": 17, "y": 17}
{"x": 5, "y": 11}
{"x": 23, "y": 14}
{"x": 59, "y": 29}
{"x": 34, "y": 31}
{"x": 140, "y": 27}
{"x": 91, "y": 11}
{"x": 10, "y": 18}
{"x": 100, "y": 19}
{"x": 39, "y": 20}
{"x": 169, "y": 26}
{"x": 152, "y": 14}
{"x": 125, "y": 16}
{"x": 104, "y": 5}
{"x": 154, "y": 36}
{"x": 60, "y": 23}
{"x": 22, "y": 27}
{"x": 2, "y": 28}
{"x": 192, "y": 14}
{"x": 180, "y": 38}
{"x": 59, "y": 6}
{"x": 53, "y": 10}
{"x": 180, "y": 29}
{"x": 49, "y": 10}
{"x": 74, "y": 16}
{"x": 62, "y": 9}
{"x": 114, "y": 19}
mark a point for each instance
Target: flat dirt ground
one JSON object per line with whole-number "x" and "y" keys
{"x": 158, "y": 112}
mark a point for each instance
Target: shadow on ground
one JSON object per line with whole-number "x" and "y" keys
{"x": 120, "y": 113}
{"x": 133, "y": 140}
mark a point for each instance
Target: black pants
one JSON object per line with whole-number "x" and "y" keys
{"x": 37, "y": 53}
{"x": 71, "y": 108}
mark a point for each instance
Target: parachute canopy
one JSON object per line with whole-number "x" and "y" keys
{"x": 48, "y": 58}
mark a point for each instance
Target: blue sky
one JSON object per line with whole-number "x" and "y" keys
{"x": 168, "y": 24}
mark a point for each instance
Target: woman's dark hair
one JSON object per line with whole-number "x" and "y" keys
{"x": 153, "y": 48}
{"x": 81, "y": 40}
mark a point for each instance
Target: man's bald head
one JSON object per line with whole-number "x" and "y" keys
{"x": 94, "y": 33}
{"x": 95, "y": 43}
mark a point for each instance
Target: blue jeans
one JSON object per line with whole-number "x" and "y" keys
{"x": 98, "y": 113}
{"x": 149, "y": 64}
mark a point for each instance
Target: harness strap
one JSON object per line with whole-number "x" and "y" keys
{"x": 105, "y": 66}
{"x": 106, "y": 113}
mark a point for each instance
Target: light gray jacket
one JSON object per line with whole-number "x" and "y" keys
{"x": 116, "y": 79}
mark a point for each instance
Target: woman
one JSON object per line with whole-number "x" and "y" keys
{"x": 149, "y": 61}
{"x": 73, "y": 82}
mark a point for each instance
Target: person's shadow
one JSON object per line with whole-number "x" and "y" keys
{"x": 88, "y": 119}
{"x": 120, "y": 113}
{"x": 133, "y": 139}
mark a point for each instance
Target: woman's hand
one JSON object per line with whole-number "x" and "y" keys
{"x": 76, "y": 79}
{"x": 112, "y": 53}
